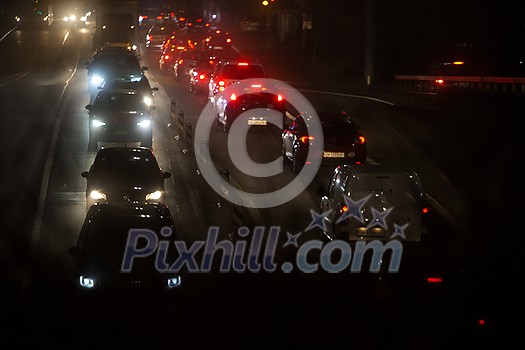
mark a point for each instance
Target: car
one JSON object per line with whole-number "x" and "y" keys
{"x": 142, "y": 85}
{"x": 121, "y": 116}
{"x": 158, "y": 34}
{"x": 199, "y": 74}
{"x": 228, "y": 71}
{"x": 105, "y": 66}
{"x": 102, "y": 249}
{"x": 343, "y": 140}
{"x": 168, "y": 57}
{"x": 251, "y": 99}
{"x": 375, "y": 202}
{"x": 183, "y": 63}
{"x": 218, "y": 40}
{"x": 125, "y": 174}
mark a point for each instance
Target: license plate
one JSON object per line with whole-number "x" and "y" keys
{"x": 370, "y": 232}
{"x": 333, "y": 154}
{"x": 256, "y": 122}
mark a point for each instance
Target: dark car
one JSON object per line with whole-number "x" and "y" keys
{"x": 105, "y": 66}
{"x": 102, "y": 257}
{"x": 343, "y": 141}
{"x": 142, "y": 85}
{"x": 125, "y": 174}
{"x": 120, "y": 116}
{"x": 158, "y": 34}
{"x": 218, "y": 40}
{"x": 183, "y": 63}
{"x": 168, "y": 57}
{"x": 252, "y": 99}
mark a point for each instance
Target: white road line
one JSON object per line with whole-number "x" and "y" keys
{"x": 42, "y": 198}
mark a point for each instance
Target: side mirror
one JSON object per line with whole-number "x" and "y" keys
{"x": 84, "y": 174}
{"x": 166, "y": 174}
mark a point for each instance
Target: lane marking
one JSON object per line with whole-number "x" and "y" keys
{"x": 42, "y": 198}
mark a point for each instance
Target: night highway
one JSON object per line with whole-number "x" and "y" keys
{"x": 467, "y": 153}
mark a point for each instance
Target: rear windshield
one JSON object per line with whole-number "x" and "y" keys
{"x": 242, "y": 72}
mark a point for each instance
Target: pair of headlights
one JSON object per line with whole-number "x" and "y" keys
{"x": 152, "y": 196}
{"x": 89, "y": 282}
{"x": 142, "y": 124}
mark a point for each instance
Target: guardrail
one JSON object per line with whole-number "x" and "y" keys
{"x": 185, "y": 129}
{"x": 424, "y": 91}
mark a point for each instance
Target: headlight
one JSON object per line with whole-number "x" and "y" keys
{"x": 144, "y": 124}
{"x": 96, "y": 195}
{"x": 148, "y": 101}
{"x": 97, "y": 123}
{"x": 86, "y": 282}
{"x": 97, "y": 80}
{"x": 174, "y": 282}
{"x": 154, "y": 195}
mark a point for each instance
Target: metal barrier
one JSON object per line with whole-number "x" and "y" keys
{"x": 422, "y": 91}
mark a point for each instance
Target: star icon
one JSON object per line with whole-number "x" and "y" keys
{"x": 399, "y": 230}
{"x": 318, "y": 220}
{"x": 379, "y": 218}
{"x": 353, "y": 208}
{"x": 292, "y": 239}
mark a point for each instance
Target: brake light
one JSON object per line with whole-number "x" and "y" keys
{"x": 242, "y": 64}
{"x": 180, "y": 47}
{"x": 360, "y": 140}
{"x": 424, "y": 210}
{"x": 221, "y": 83}
{"x": 440, "y": 82}
{"x": 434, "y": 279}
{"x": 180, "y": 61}
{"x": 343, "y": 209}
{"x": 202, "y": 76}
{"x": 166, "y": 57}
{"x": 279, "y": 97}
{"x": 306, "y": 139}
{"x": 233, "y": 97}
{"x": 228, "y": 40}
{"x": 256, "y": 85}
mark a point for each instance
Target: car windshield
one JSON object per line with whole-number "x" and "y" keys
{"x": 125, "y": 165}
{"x": 120, "y": 102}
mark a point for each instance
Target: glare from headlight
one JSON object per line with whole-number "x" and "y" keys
{"x": 97, "y": 80}
{"x": 154, "y": 195}
{"x": 148, "y": 101}
{"x": 97, "y": 123}
{"x": 144, "y": 124}
{"x": 134, "y": 47}
{"x": 87, "y": 282}
{"x": 96, "y": 195}
{"x": 174, "y": 282}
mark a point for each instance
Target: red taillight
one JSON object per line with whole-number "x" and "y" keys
{"x": 180, "y": 61}
{"x": 306, "y": 139}
{"x": 360, "y": 140}
{"x": 440, "y": 82}
{"x": 434, "y": 279}
{"x": 279, "y": 98}
{"x": 233, "y": 97}
{"x": 343, "y": 209}
{"x": 481, "y": 322}
{"x": 424, "y": 210}
{"x": 228, "y": 40}
{"x": 166, "y": 57}
{"x": 242, "y": 64}
{"x": 202, "y": 76}
{"x": 221, "y": 83}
